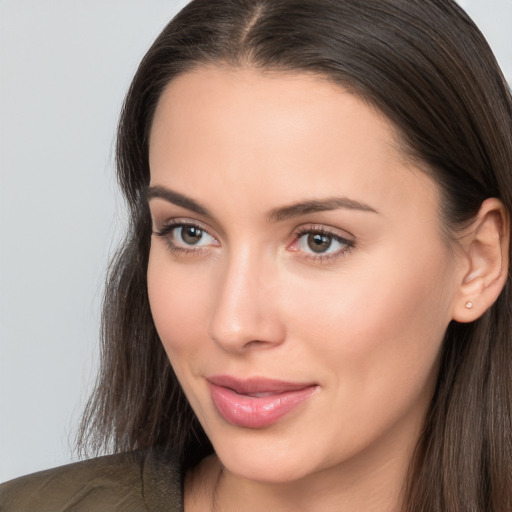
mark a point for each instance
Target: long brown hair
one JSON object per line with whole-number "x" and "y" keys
{"x": 426, "y": 66}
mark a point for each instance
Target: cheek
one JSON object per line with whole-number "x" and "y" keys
{"x": 376, "y": 325}
{"x": 179, "y": 301}
{"x": 378, "y": 331}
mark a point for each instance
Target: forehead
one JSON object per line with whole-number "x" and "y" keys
{"x": 280, "y": 133}
{"x": 260, "y": 96}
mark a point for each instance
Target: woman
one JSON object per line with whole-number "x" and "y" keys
{"x": 311, "y": 309}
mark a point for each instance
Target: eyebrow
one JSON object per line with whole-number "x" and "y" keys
{"x": 275, "y": 215}
{"x": 313, "y": 206}
{"x": 178, "y": 199}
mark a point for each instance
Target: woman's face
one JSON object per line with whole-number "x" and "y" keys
{"x": 298, "y": 275}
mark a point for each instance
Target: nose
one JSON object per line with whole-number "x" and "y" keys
{"x": 246, "y": 311}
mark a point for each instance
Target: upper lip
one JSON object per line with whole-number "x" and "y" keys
{"x": 257, "y": 384}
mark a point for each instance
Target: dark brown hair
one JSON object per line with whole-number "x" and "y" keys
{"x": 426, "y": 66}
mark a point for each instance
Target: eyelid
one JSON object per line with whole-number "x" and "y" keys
{"x": 165, "y": 230}
{"x": 325, "y": 229}
{"x": 341, "y": 236}
{"x": 174, "y": 222}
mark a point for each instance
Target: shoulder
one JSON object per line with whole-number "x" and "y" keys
{"x": 138, "y": 481}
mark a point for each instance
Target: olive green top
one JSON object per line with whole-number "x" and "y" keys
{"x": 133, "y": 482}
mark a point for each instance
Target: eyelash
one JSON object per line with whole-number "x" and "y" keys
{"x": 320, "y": 230}
{"x": 167, "y": 230}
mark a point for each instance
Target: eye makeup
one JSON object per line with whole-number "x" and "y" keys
{"x": 313, "y": 243}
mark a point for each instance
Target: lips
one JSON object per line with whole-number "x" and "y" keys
{"x": 257, "y": 402}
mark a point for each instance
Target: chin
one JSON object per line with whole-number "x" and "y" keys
{"x": 262, "y": 460}
{"x": 268, "y": 472}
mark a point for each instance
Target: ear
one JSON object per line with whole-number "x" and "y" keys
{"x": 485, "y": 252}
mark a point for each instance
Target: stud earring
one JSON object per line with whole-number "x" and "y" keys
{"x": 469, "y": 304}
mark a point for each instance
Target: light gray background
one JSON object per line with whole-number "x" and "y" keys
{"x": 64, "y": 68}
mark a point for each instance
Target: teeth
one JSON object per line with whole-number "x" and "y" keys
{"x": 259, "y": 395}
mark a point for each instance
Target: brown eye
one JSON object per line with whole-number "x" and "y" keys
{"x": 319, "y": 242}
{"x": 190, "y": 235}
{"x": 185, "y": 237}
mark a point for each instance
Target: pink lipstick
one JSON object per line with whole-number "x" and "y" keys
{"x": 256, "y": 402}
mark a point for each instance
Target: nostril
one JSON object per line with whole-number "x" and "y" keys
{"x": 254, "y": 343}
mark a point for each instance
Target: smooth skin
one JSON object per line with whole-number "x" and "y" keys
{"x": 241, "y": 284}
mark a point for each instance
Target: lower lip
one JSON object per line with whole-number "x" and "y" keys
{"x": 257, "y": 412}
